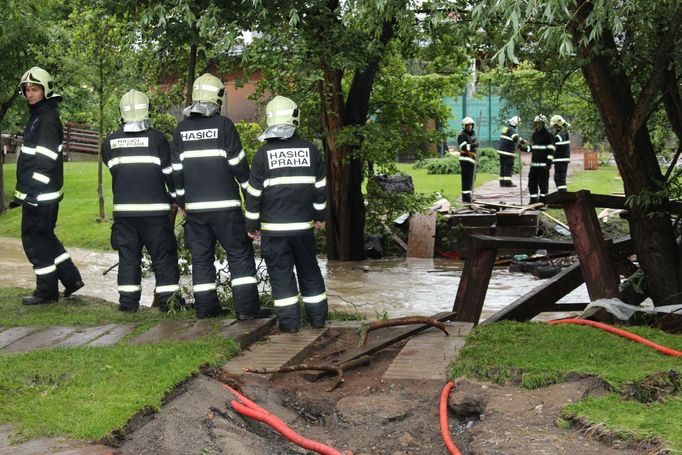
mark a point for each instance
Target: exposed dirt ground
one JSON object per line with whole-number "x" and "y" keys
{"x": 367, "y": 415}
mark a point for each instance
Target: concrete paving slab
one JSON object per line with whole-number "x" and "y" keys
{"x": 84, "y": 336}
{"x": 273, "y": 352}
{"x": 427, "y": 355}
{"x": 13, "y": 334}
{"x": 115, "y": 335}
{"x": 247, "y": 332}
{"x": 40, "y": 340}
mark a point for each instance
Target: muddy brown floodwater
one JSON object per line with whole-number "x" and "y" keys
{"x": 400, "y": 286}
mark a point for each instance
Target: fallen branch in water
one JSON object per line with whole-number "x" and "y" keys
{"x": 339, "y": 370}
{"x": 408, "y": 320}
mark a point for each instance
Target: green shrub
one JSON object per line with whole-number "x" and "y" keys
{"x": 447, "y": 165}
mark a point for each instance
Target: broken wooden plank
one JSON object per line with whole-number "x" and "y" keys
{"x": 598, "y": 271}
{"x": 499, "y": 242}
{"x": 377, "y": 345}
{"x": 534, "y": 302}
{"x": 473, "y": 284}
{"x": 39, "y": 340}
{"x": 84, "y": 336}
{"x": 115, "y": 335}
{"x": 247, "y": 332}
{"x": 13, "y": 334}
{"x": 421, "y": 236}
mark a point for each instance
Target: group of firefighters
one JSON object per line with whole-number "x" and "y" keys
{"x": 204, "y": 173}
{"x": 547, "y": 148}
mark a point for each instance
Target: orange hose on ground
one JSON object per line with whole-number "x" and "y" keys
{"x": 254, "y": 411}
{"x": 631, "y": 336}
{"x": 443, "y": 411}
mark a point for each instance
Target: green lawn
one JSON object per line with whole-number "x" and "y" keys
{"x": 605, "y": 180}
{"x": 88, "y": 393}
{"x": 77, "y": 225}
{"x": 75, "y": 311}
{"x": 539, "y": 354}
{"x": 449, "y": 185}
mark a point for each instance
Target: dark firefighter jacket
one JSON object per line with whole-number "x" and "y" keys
{"x": 563, "y": 146}
{"x": 468, "y": 144}
{"x": 542, "y": 146}
{"x": 40, "y": 166}
{"x": 508, "y": 140}
{"x": 209, "y": 164}
{"x": 141, "y": 172}
{"x": 287, "y": 188}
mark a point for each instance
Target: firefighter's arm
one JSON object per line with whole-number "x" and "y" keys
{"x": 47, "y": 152}
{"x": 253, "y": 195}
{"x": 551, "y": 148}
{"x": 167, "y": 165}
{"x": 176, "y": 164}
{"x": 236, "y": 156}
{"x": 320, "y": 204}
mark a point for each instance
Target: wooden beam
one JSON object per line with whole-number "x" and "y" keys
{"x": 473, "y": 284}
{"x": 372, "y": 347}
{"x": 497, "y": 242}
{"x": 558, "y": 307}
{"x": 601, "y": 200}
{"x": 599, "y": 273}
{"x": 536, "y": 301}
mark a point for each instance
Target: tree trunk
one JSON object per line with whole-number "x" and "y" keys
{"x": 191, "y": 70}
{"x": 100, "y": 189}
{"x": 635, "y": 156}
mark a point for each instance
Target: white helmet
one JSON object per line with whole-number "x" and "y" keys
{"x": 468, "y": 121}
{"x": 540, "y": 118}
{"x": 134, "y": 106}
{"x": 282, "y": 111}
{"x": 557, "y": 121}
{"x": 39, "y": 76}
{"x": 207, "y": 87}
{"x": 514, "y": 121}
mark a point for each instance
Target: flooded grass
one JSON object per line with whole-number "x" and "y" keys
{"x": 537, "y": 355}
{"x": 88, "y": 393}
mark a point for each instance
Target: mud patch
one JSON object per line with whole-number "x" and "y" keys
{"x": 370, "y": 415}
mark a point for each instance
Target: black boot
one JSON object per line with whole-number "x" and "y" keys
{"x": 466, "y": 198}
{"x": 533, "y": 200}
{"x": 73, "y": 288}
{"x": 260, "y": 313}
{"x": 38, "y": 300}
{"x": 128, "y": 308}
{"x": 210, "y": 312}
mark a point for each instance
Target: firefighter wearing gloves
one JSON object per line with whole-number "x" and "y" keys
{"x": 542, "y": 149}
{"x": 209, "y": 166}
{"x": 40, "y": 178}
{"x": 509, "y": 140}
{"x": 138, "y": 158}
{"x": 562, "y": 155}
{"x": 468, "y": 144}
{"x": 285, "y": 201}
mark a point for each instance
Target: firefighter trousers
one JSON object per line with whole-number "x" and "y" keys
{"x": 468, "y": 175}
{"x": 538, "y": 182}
{"x": 202, "y": 230}
{"x": 129, "y": 235}
{"x": 281, "y": 255}
{"x": 51, "y": 263}
{"x": 506, "y": 169}
{"x": 560, "y": 171}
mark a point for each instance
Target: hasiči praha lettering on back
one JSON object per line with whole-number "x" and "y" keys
{"x": 293, "y": 157}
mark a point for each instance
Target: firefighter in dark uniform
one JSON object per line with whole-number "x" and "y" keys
{"x": 562, "y": 155}
{"x": 209, "y": 166}
{"x": 285, "y": 202}
{"x": 542, "y": 148}
{"x": 509, "y": 140}
{"x": 138, "y": 157}
{"x": 39, "y": 189}
{"x": 468, "y": 144}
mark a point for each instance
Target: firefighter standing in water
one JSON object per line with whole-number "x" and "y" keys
{"x": 468, "y": 144}
{"x": 138, "y": 158}
{"x": 285, "y": 202}
{"x": 209, "y": 167}
{"x": 562, "y": 155}
{"x": 39, "y": 189}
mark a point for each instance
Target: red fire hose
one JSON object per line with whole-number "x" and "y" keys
{"x": 443, "y": 411}
{"x": 254, "y": 411}
{"x": 444, "y": 429}
{"x": 631, "y": 336}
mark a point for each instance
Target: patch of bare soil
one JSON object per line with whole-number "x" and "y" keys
{"x": 366, "y": 415}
